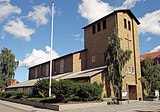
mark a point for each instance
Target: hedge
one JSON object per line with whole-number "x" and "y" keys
{"x": 41, "y": 88}
{"x": 66, "y": 90}
{"x": 14, "y": 94}
{"x": 43, "y": 100}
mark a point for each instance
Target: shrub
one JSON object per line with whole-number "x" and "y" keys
{"x": 43, "y": 100}
{"x": 41, "y": 88}
{"x": 66, "y": 90}
{"x": 63, "y": 90}
{"x": 88, "y": 92}
{"x": 15, "y": 94}
{"x": 22, "y": 95}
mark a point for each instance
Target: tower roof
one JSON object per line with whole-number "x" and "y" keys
{"x": 114, "y": 12}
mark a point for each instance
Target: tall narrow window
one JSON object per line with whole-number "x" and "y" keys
{"x": 133, "y": 70}
{"x": 129, "y": 25}
{"x": 99, "y": 27}
{"x": 126, "y": 67}
{"x": 36, "y": 72}
{"x": 104, "y": 24}
{"x": 129, "y": 69}
{"x": 125, "y": 23}
{"x": 62, "y": 66}
{"x": 47, "y": 70}
{"x": 93, "y": 59}
{"x": 93, "y": 29}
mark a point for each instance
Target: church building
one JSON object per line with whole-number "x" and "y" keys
{"x": 88, "y": 65}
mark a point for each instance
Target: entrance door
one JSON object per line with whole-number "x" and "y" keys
{"x": 132, "y": 92}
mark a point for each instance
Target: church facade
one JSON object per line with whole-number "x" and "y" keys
{"x": 88, "y": 64}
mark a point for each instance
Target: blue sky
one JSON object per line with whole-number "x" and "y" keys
{"x": 25, "y": 26}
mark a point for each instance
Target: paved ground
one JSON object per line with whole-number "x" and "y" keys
{"x": 133, "y": 106}
{"x": 6, "y": 106}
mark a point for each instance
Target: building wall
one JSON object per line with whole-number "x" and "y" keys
{"x": 96, "y": 43}
{"x": 41, "y": 71}
{"x": 68, "y": 65}
{"x": 79, "y": 61}
{"x": 71, "y": 63}
{"x": 100, "y": 79}
{"x": 31, "y": 73}
{"x": 129, "y": 41}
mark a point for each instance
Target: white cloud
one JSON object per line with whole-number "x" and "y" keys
{"x": 128, "y": 4}
{"x": 156, "y": 49}
{"x": 95, "y": 9}
{"x": 77, "y": 37}
{"x": 37, "y": 57}
{"x": 150, "y": 23}
{"x": 7, "y": 9}
{"x": 4, "y": 0}
{"x": 149, "y": 39}
{"x": 18, "y": 29}
{"x": 39, "y": 15}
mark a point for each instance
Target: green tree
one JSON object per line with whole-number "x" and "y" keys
{"x": 8, "y": 65}
{"x": 115, "y": 58}
{"x": 150, "y": 75}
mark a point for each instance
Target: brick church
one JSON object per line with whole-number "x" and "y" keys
{"x": 88, "y": 64}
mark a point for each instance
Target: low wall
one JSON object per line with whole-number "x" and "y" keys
{"x": 35, "y": 104}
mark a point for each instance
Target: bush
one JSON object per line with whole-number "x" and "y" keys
{"x": 88, "y": 92}
{"x": 41, "y": 88}
{"x": 15, "y": 94}
{"x": 63, "y": 90}
{"x": 43, "y": 100}
{"x": 66, "y": 90}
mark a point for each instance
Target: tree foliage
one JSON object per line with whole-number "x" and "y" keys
{"x": 66, "y": 90}
{"x": 115, "y": 58}
{"x": 150, "y": 75}
{"x": 8, "y": 65}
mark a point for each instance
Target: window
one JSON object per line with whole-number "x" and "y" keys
{"x": 126, "y": 69}
{"x": 99, "y": 27}
{"x": 125, "y": 23}
{"x": 129, "y": 25}
{"x": 104, "y": 24}
{"x": 133, "y": 70}
{"x": 47, "y": 70}
{"x": 93, "y": 58}
{"x": 129, "y": 69}
{"x": 62, "y": 66}
{"x": 36, "y": 72}
{"x": 93, "y": 29}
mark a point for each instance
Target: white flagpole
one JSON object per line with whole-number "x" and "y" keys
{"x": 52, "y": 28}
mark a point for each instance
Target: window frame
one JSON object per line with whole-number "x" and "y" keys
{"x": 125, "y": 23}
{"x": 98, "y": 27}
{"x": 129, "y": 25}
{"x": 62, "y": 66}
{"x": 93, "y": 29}
{"x": 36, "y": 72}
{"x": 47, "y": 70}
{"x": 104, "y": 24}
{"x": 93, "y": 59}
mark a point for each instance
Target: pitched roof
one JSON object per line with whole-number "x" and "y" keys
{"x": 114, "y": 12}
{"x": 152, "y": 55}
{"x": 86, "y": 73}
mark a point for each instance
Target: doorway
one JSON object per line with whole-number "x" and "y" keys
{"x": 132, "y": 92}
